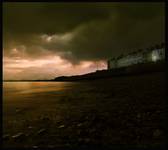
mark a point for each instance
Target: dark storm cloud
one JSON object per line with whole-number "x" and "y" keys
{"x": 105, "y": 39}
{"x": 49, "y": 18}
{"x": 99, "y": 30}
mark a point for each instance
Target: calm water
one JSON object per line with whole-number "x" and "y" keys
{"x": 15, "y": 90}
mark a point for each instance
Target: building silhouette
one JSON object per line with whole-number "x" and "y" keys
{"x": 153, "y": 54}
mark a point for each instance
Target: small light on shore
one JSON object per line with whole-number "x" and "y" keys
{"x": 155, "y": 56}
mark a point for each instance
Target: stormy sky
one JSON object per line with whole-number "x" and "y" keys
{"x": 46, "y": 40}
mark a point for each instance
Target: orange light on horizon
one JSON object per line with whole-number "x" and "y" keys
{"x": 45, "y": 67}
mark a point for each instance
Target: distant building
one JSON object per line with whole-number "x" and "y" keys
{"x": 140, "y": 56}
{"x": 112, "y": 63}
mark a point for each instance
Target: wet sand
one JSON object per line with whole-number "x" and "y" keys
{"x": 106, "y": 112}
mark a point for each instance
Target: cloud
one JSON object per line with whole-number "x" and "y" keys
{"x": 45, "y": 68}
{"x": 78, "y": 32}
{"x": 110, "y": 37}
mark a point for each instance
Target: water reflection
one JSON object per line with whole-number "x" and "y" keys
{"x": 21, "y": 88}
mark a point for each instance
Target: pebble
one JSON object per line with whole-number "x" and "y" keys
{"x": 18, "y": 110}
{"x": 61, "y": 126}
{"x": 87, "y": 140}
{"x": 148, "y": 113}
{"x": 41, "y": 131}
{"x": 18, "y": 136}
{"x": 80, "y": 140}
{"x": 79, "y": 125}
{"x": 158, "y": 111}
{"x": 45, "y": 119}
{"x": 157, "y": 133}
{"x": 138, "y": 137}
{"x": 138, "y": 116}
{"x": 30, "y": 127}
{"x": 78, "y": 132}
{"x": 35, "y": 146}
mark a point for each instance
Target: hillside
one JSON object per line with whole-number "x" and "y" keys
{"x": 136, "y": 69}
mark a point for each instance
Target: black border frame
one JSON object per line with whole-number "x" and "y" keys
{"x": 113, "y": 147}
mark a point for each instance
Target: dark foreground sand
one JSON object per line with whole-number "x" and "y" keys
{"x": 107, "y": 112}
